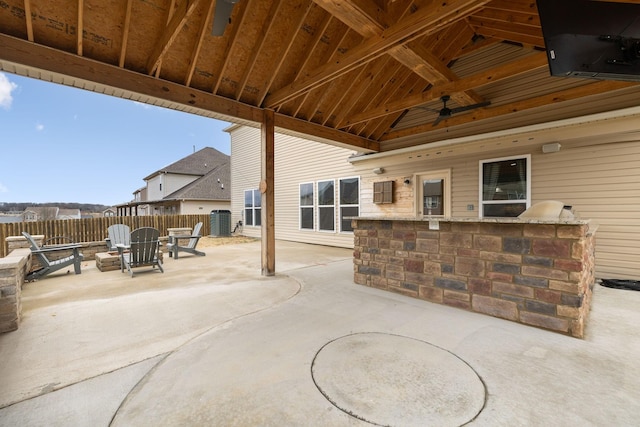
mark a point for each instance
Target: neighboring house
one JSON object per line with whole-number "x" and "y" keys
{"x": 589, "y": 164}
{"x": 109, "y": 212}
{"x": 41, "y": 213}
{"x": 196, "y": 184}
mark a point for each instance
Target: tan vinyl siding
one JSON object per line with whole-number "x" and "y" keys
{"x": 600, "y": 181}
{"x": 296, "y": 161}
{"x": 595, "y": 174}
{"x": 245, "y": 172}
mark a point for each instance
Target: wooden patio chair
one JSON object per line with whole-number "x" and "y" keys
{"x": 117, "y": 234}
{"x": 48, "y": 265}
{"x": 174, "y": 243}
{"x": 143, "y": 250}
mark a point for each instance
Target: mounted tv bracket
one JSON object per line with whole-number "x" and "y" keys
{"x": 629, "y": 47}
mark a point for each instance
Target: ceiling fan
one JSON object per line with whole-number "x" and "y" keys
{"x": 446, "y": 112}
{"x": 222, "y": 16}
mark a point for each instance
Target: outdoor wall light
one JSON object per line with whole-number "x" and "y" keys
{"x": 551, "y": 148}
{"x": 378, "y": 171}
{"x": 407, "y": 181}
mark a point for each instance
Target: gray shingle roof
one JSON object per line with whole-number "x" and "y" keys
{"x": 215, "y": 185}
{"x": 199, "y": 163}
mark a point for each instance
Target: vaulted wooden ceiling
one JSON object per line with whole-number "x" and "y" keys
{"x": 368, "y": 74}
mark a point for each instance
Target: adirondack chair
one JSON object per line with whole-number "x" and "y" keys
{"x": 189, "y": 246}
{"x": 117, "y": 233}
{"x": 50, "y": 265}
{"x": 143, "y": 250}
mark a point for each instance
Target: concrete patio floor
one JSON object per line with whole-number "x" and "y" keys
{"x": 211, "y": 342}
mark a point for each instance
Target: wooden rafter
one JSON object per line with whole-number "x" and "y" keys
{"x": 232, "y": 40}
{"x": 348, "y": 70}
{"x": 125, "y": 34}
{"x": 202, "y": 33}
{"x": 484, "y": 77}
{"x": 28, "y": 19}
{"x": 284, "y": 50}
{"x": 487, "y": 113}
{"x": 179, "y": 18}
{"x": 80, "y": 26}
{"x": 41, "y": 57}
{"x": 426, "y": 20}
{"x": 417, "y": 59}
{"x": 257, "y": 49}
{"x": 170, "y": 11}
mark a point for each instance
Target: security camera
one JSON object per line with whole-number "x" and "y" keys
{"x": 407, "y": 181}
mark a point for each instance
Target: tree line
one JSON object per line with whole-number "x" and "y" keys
{"x": 21, "y": 207}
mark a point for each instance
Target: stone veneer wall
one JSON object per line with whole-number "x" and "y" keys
{"x": 539, "y": 274}
{"x": 13, "y": 269}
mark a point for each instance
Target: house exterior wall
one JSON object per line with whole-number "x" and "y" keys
{"x": 596, "y": 175}
{"x": 601, "y": 181}
{"x": 198, "y": 207}
{"x": 245, "y": 172}
{"x": 296, "y": 161}
{"x": 170, "y": 183}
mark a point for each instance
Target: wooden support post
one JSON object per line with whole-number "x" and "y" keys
{"x": 268, "y": 195}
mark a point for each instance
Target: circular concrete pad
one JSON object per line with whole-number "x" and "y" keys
{"x": 389, "y": 379}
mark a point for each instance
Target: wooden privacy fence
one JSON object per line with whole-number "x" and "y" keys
{"x": 95, "y": 229}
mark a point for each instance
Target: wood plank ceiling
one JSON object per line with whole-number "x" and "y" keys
{"x": 368, "y": 74}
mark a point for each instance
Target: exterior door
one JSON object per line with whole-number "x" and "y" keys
{"x": 433, "y": 193}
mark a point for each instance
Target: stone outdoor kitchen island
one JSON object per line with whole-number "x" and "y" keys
{"x": 536, "y": 272}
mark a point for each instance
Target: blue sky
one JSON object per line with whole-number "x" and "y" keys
{"x": 62, "y": 144}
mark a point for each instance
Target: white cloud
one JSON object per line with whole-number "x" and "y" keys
{"x": 142, "y": 104}
{"x": 3, "y": 189}
{"x": 39, "y": 127}
{"x": 6, "y": 87}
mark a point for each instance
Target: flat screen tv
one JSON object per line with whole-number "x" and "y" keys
{"x": 592, "y": 39}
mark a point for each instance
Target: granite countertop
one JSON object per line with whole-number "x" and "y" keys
{"x": 571, "y": 221}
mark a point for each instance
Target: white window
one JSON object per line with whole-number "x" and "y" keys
{"x": 307, "y": 210}
{"x": 326, "y": 205}
{"x": 252, "y": 204}
{"x": 349, "y": 201}
{"x": 505, "y": 186}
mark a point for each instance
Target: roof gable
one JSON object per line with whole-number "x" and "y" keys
{"x": 199, "y": 163}
{"x": 215, "y": 185}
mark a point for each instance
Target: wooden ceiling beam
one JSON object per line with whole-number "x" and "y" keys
{"x": 514, "y": 17}
{"x": 416, "y": 58}
{"x": 125, "y": 34}
{"x": 28, "y": 20}
{"x": 521, "y": 6}
{"x": 80, "y": 26}
{"x": 231, "y": 42}
{"x": 269, "y": 22}
{"x": 508, "y": 70}
{"x": 170, "y": 12}
{"x": 514, "y": 107}
{"x": 179, "y": 18}
{"x": 45, "y": 58}
{"x": 360, "y": 86}
{"x": 202, "y": 33}
{"x": 507, "y": 27}
{"x": 284, "y": 51}
{"x": 424, "y": 21}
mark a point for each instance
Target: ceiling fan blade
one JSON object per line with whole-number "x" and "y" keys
{"x": 222, "y": 16}
{"x": 439, "y": 119}
{"x": 470, "y": 107}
